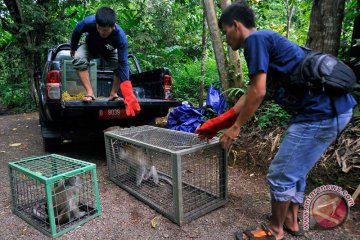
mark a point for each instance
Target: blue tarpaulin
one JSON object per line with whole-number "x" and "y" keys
{"x": 187, "y": 118}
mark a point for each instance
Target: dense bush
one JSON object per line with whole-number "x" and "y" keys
{"x": 187, "y": 78}
{"x": 14, "y": 91}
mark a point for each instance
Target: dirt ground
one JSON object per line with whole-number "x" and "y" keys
{"x": 123, "y": 216}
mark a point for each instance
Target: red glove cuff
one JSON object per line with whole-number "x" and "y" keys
{"x": 126, "y": 89}
{"x": 225, "y": 120}
{"x": 212, "y": 126}
{"x": 131, "y": 103}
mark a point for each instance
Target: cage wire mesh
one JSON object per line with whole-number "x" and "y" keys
{"x": 71, "y": 81}
{"x": 203, "y": 179}
{"x": 68, "y": 185}
{"x": 191, "y": 174}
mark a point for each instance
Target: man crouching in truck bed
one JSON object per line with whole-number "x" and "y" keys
{"x": 104, "y": 39}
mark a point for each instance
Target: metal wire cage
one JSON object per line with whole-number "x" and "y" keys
{"x": 173, "y": 172}
{"x": 70, "y": 80}
{"x": 67, "y": 185}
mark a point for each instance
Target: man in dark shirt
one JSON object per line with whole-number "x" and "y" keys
{"x": 107, "y": 40}
{"x": 316, "y": 118}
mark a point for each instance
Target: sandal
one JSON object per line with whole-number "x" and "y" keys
{"x": 114, "y": 98}
{"x": 86, "y": 98}
{"x": 264, "y": 234}
{"x": 299, "y": 233}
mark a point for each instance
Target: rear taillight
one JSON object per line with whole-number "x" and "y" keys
{"x": 167, "y": 87}
{"x": 167, "y": 80}
{"x": 53, "y": 85}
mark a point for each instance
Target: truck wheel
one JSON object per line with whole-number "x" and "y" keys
{"x": 51, "y": 144}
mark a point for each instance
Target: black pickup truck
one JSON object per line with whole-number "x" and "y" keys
{"x": 59, "y": 116}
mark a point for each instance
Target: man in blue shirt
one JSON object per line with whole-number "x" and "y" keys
{"x": 107, "y": 40}
{"x": 316, "y": 117}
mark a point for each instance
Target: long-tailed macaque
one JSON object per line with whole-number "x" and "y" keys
{"x": 139, "y": 161}
{"x": 65, "y": 202}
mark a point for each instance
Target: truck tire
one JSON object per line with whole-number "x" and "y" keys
{"x": 51, "y": 144}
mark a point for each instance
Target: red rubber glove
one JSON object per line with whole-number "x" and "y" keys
{"x": 131, "y": 103}
{"x": 210, "y": 128}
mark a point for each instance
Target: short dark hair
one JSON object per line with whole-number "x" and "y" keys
{"x": 238, "y": 11}
{"x": 105, "y": 17}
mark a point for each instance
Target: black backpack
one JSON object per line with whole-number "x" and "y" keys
{"x": 323, "y": 72}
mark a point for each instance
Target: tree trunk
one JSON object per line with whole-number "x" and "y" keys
{"x": 30, "y": 58}
{"x": 236, "y": 77}
{"x": 289, "y": 11}
{"x": 216, "y": 41}
{"x": 203, "y": 58}
{"x": 325, "y": 25}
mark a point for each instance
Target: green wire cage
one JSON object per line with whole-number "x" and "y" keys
{"x": 53, "y": 193}
{"x": 70, "y": 81}
{"x": 191, "y": 175}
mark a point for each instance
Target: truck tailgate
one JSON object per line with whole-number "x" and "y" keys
{"x": 102, "y": 104}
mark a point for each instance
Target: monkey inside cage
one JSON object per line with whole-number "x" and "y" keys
{"x": 173, "y": 172}
{"x": 54, "y": 193}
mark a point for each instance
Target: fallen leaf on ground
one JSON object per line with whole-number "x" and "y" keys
{"x": 15, "y": 144}
{"x": 154, "y": 221}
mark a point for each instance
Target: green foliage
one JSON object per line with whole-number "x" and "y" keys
{"x": 271, "y": 114}
{"x": 25, "y": 46}
{"x": 346, "y": 33}
{"x": 167, "y": 35}
{"x": 187, "y": 78}
{"x": 160, "y": 33}
{"x": 17, "y": 97}
{"x": 14, "y": 91}
{"x": 272, "y": 15}
{"x": 237, "y": 92}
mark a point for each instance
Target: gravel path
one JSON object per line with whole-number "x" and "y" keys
{"x": 124, "y": 217}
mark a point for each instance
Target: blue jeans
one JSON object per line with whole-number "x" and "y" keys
{"x": 302, "y": 147}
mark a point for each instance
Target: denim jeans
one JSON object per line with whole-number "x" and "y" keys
{"x": 302, "y": 147}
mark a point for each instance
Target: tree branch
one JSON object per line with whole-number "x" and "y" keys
{"x": 14, "y": 10}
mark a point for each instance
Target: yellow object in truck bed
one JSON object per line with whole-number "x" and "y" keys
{"x": 67, "y": 97}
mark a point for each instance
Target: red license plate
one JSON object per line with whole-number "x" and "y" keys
{"x": 112, "y": 114}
